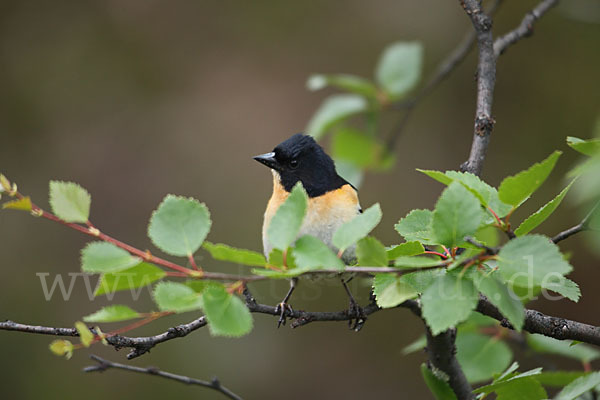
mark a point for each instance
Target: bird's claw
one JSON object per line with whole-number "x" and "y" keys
{"x": 281, "y": 309}
{"x": 357, "y": 316}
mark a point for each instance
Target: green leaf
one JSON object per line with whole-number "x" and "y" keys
{"x": 503, "y": 298}
{"x": 350, "y": 83}
{"x": 357, "y": 228}
{"x": 224, "y": 252}
{"x": 390, "y": 290}
{"x": 588, "y": 147}
{"x": 457, "y": 214}
{"x": 417, "y": 262}
{"x": 480, "y": 356}
{"x": 508, "y": 377}
{"x": 448, "y": 301}
{"x": 399, "y": 68}
{"x": 141, "y": 275}
{"x": 440, "y": 389}
{"x": 311, "y": 253}
{"x": 522, "y": 389}
{"x": 563, "y": 286}
{"x": 487, "y": 195}
{"x": 285, "y": 224}
{"x": 177, "y": 297}
{"x": 69, "y": 201}
{"x": 360, "y": 149}
{"x": 558, "y": 378}
{"x": 544, "y": 344}
{"x": 371, "y": 252}
{"x": 542, "y": 214}
{"x": 334, "y": 109}
{"x": 227, "y": 315}
{"x": 179, "y": 225}
{"x": 421, "y": 280}
{"x": 532, "y": 260}
{"x": 85, "y": 335}
{"x": 514, "y": 190}
{"x": 579, "y": 386}
{"x": 405, "y": 249}
{"x": 112, "y": 313}
{"x": 106, "y": 257}
{"x": 416, "y": 226}
{"x": 200, "y": 285}
{"x": 62, "y": 348}
{"x": 23, "y": 204}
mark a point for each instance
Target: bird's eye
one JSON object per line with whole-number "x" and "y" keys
{"x": 294, "y": 164}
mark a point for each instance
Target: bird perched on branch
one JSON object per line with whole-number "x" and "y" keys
{"x": 332, "y": 200}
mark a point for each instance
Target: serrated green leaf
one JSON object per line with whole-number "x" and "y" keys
{"x": 542, "y": 214}
{"x": 62, "y": 348}
{"x": 588, "y": 147}
{"x": 138, "y": 276}
{"x": 514, "y": 190}
{"x": 405, "y": 249}
{"x": 334, "y": 109}
{"x": 390, "y": 290}
{"x": 177, "y": 297}
{"x": 480, "y": 356}
{"x": 448, "y": 301}
{"x": 311, "y": 253}
{"x": 563, "y": 286}
{"x": 227, "y": 314}
{"x": 532, "y": 260}
{"x": 350, "y": 83}
{"x": 399, "y": 68}
{"x": 69, "y": 201}
{"x": 457, "y": 214}
{"x": 499, "y": 294}
{"x": 558, "y": 378}
{"x": 112, "y": 313}
{"x": 579, "y": 386}
{"x": 371, "y": 252}
{"x": 486, "y": 194}
{"x": 285, "y": 224}
{"x": 224, "y": 252}
{"x": 416, "y": 226}
{"x": 23, "y": 204}
{"x": 357, "y": 228}
{"x": 104, "y": 257}
{"x": 360, "y": 149}
{"x": 179, "y": 225}
{"x": 440, "y": 389}
{"x": 544, "y": 344}
{"x": 85, "y": 335}
{"x": 421, "y": 280}
{"x": 508, "y": 377}
{"x": 200, "y": 285}
{"x": 417, "y": 262}
{"x": 522, "y": 389}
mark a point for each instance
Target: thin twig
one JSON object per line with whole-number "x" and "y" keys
{"x": 582, "y": 226}
{"x": 214, "y": 384}
{"x": 442, "y": 71}
{"x": 525, "y": 28}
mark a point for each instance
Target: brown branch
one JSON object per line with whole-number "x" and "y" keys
{"x": 486, "y": 80}
{"x": 525, "y": 28}
{"x": 214, "y": 384}
{"x": 139, "y": 345}
{"x": 554, "y": 327}
{"x": 442, "y": 71}
{"x": 582, "y": 226}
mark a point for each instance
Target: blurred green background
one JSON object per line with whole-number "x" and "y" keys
{"x": 134, "y": 100}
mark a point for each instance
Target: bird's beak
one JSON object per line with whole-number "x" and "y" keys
{"x": 267, "y": 159}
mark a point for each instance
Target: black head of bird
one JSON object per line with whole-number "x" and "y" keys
{"x": 300, "y": 158}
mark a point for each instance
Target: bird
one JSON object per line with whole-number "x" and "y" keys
{"x": 332, "y": 201}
